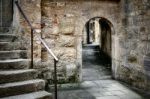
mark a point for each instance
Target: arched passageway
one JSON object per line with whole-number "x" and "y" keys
{"x": 97, "y": 49}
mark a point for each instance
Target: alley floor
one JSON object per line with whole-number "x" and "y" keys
{"x": 97, "y": 82}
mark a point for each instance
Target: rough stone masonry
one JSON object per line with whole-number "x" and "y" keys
{"x": 61, "y": 22}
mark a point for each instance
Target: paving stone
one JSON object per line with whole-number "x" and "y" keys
{"x": 94, "y": 86}
{"x": 109, "y": 97}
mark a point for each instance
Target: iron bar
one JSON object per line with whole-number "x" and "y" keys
{"x": 55, "y": 78}
{"x": 32, "y": 48}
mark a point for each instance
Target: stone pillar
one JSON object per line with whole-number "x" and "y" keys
{"x": 97, "y": 31}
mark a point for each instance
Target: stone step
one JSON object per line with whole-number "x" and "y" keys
{"x": 91, "y": 47}
{"x": 7, "y": 37}
{"x": 14, "y": 64}
{"x": 5, "y": 30}
{"x": 34, "y": 95}
{"x": 17, "y": 88}
{"x": 17, "y": 75}
{"x": 7, "y": 46}
{"x": 13, "y": 54}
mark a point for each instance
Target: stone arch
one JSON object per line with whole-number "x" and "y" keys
{"x": 100, "y": 19}
{"x": 112, "y": 30}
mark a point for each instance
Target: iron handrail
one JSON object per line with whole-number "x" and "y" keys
{"x": 33, "y": 30}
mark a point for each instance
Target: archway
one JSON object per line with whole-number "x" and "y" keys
{"x": 97, "y": 48}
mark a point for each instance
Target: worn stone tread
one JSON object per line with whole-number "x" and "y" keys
{"x": 14, "y": 54}
{"x": 12, "y": 60}
{"x": 7, "y": 46}
{"x": 34, "y": 95}
{"x": 14, "y": 64}
{"x": 7, "y": 37}
{"x": 21, "y": 87}
{"x": 11, "y": 72}
{"x": 8, "y": 76}
{"x": 20, "y": 83}
{"x": 7, "y": 34}
{"x": 12, "y": 51}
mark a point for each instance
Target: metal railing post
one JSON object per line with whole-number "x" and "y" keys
{"x": 32, "y": 48}
{"x": 55, "y": 78}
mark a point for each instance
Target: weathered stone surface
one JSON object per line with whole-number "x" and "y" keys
{"x": 137, "y": 45}
{"x": 17, "y": 75}
{"x": 66, "y": 54}
{"x": 10, "y": 89}
{"x": 35, "y": 18}
{"x": 63, "y": 23}
{"x": 13, "y": 54}
{"x": 33, "y": 95}
{"x": 7, "y": 46}
{"x": 67, "y": 29}
{"x": 62, "y": 26}
{"x": 66, "y": 41}
{"x": 7, "y": 37}
{"x": 14, "y": 64}
{"x": 70, "y": 69}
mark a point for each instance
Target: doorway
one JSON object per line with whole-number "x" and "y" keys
{"x": 97, "y": 49}
{"x": 6, "y": 15}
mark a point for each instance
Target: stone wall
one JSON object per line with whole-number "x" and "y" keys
{"x": 106, "y": 37}
{"x": 134, "y": 42}
{"x": 63, "y": 23}
{"x": 23, "y": 30}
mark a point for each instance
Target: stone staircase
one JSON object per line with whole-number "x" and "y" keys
{"x": 17, "y": 81}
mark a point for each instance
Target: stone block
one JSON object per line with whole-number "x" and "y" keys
{"x": 71, "y": 70}
{"x": 66, "y": 41}
{"x": 47, "y": 75}
{"x": 143, "y": 37}
{"x": 148, "y": 36}
{"x": 46, "y": 32}
{"x": 60, "y": 4}
{"x": 142, "y": 48}
{"x": 55, "y": 30}
{"x": 44, "y": 55}
{"x": 37, "y": 50}
{"x": 67, "y": 24}
{"x": 66, "y": 54}
{"x": 68, "y": 29}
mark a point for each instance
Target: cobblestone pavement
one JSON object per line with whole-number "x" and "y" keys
{"x": 97, "y": 82}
